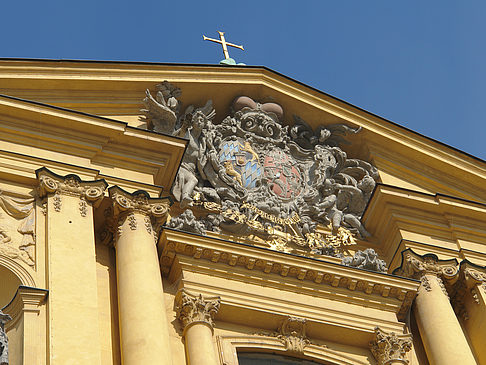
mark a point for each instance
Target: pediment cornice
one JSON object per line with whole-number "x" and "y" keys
{"x": 87, "y": 142}
{"x": 186, "y": 251}
{"x": 115, "y": 89}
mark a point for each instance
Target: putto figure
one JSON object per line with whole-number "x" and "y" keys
{"x": 260, "y": 177}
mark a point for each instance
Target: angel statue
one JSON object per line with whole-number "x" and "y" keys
{"x": 187, "y": 178}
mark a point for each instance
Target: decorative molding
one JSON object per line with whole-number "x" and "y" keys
{"x": 132, "y": 221}
{"x": 390, "y": 348}
{"x": 314, "y": 272}
{"x": 425, "y": 283}
{"x": 70, "y": 185}
{"x": 148, "y": 225}
{"x": 228, "y": 347}
{"x": 193, "y": 309}
{"x": 25, "y": 299}
{"x": 292, "y": 335}
{"x": 83, "y": 206}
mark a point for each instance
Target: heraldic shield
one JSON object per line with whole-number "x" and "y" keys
{"x": 241, "y": 162}
{"x": 283, "y": 177}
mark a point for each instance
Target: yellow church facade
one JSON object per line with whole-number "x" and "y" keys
{"x": 141, "y": 223}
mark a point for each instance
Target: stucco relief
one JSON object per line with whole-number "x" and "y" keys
{"x": 255, "y": 175}
{"x": 17, "y": 228}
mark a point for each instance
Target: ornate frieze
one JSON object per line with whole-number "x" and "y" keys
{"x": 196, "y": 308}
{"x": 390, "y": 348}
{"x": 253, "y": 175}
{"x": 88, "y": 192}
{"x": 4, "y": 318}
{"x": 125, "y": 205}
{"x": 181, "y": 245}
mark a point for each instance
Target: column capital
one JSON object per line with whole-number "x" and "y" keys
{"x": 470, "y": 278}
{"x": 192, "y": 308}
{"x": 71, "y": 185}
{"x": 139, "y": 201}
{"x": 390, "y": 348}
{"x": 472, "y": 274}
{"x": 416, "y": 266}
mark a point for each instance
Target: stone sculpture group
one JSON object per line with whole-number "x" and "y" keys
{"x": 260, "y": 175}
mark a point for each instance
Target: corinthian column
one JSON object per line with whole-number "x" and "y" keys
{"x": 469, "y": 300}
{"x": 390, "y": 348}
{"x": 442, "y": 335}
{"x": 71, "y": 267}
{"x": 144, "y": 331}
{"x": 196, "y": 314}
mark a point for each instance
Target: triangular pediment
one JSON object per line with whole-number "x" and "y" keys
{"x": 115, "y": 90}
{"x": 88, "y": 114}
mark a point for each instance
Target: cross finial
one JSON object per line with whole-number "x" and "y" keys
{"x": 223, "y": 42}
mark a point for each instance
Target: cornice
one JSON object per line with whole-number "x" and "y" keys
{"x": 91, "y": 141}
{"x": 25, "y": 299}
{"x": 109, "y": 75}
{"x": 263, "y": 262}
{"x": 396, "y": 215}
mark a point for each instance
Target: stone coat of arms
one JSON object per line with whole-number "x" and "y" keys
{"x": 256, "y": 176}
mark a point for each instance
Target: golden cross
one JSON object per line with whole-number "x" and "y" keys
{"x": 223, "y": 42}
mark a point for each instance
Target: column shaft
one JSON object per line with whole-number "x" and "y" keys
{"x": 144, "y": 333}
{"x": 196, "y": 314}
{"x": 200, "y": 345}
{"x": 444, "y": 340}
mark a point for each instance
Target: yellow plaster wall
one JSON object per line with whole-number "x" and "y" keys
{"x": 107, "y": 305}
{"x": 15, "y": 335}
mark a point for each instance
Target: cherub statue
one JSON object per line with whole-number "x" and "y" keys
{"x": 367, "y": 259}
{"x": 187, "y": 179}
{"x": 350, "y": 204}
{"x": 186, "y": 221}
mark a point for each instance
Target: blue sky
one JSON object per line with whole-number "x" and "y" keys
{"x": 421, "y": 64}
